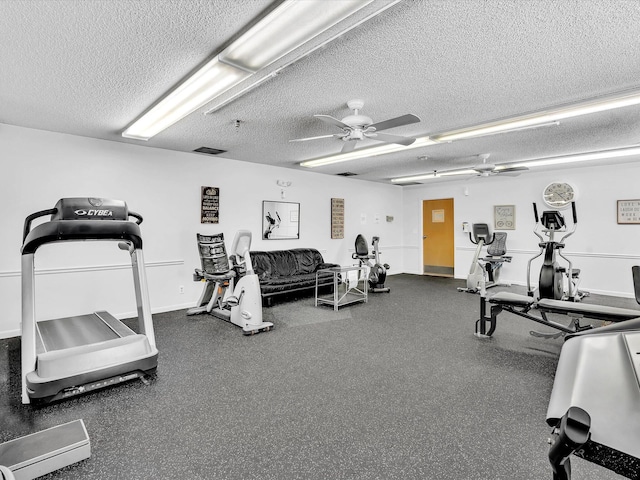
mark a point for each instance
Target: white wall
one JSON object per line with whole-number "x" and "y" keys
{"x": 39, "y": 167}
{"x": 602, "y": 249}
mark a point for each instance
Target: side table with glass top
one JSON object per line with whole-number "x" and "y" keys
{"x": 349, "y": 286}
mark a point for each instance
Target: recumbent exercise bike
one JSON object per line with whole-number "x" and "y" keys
{"x": 489, "y": 266}
{"x": 551, "y": 282}
{"x": 232, "y": 289}
{"x": 377, "y": 270}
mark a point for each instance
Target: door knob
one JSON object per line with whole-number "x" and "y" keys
{"x": 424, "y": 236}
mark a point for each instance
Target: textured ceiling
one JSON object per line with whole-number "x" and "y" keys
{"x": 90, "y": 68}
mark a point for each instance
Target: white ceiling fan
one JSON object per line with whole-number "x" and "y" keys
{"x": 358, "y": 127}
{"x": 485, "y": 169}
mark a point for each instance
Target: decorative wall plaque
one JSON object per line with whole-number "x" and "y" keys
{"x": 337, "y": 218}
{"x": 210, "y": 205}
{"x": 628, "y": 212}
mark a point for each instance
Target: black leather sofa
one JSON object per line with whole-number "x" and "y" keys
{"x": 286, "y": 271}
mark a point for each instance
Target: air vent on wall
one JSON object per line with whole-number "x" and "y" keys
{"x": 209, "y": 150}
{"x": 347, "y": 174}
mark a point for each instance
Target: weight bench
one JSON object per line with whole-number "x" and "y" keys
{"x": 594, "y": 407}
{"x": 522, "y": 305}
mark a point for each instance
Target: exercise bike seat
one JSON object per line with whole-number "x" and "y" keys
{"x": 220, "y": 276}
{"x": 498, "y": 247}
{"x": 362, "y": 249}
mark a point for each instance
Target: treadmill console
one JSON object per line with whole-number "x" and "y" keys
{"x": 90, "y": 209}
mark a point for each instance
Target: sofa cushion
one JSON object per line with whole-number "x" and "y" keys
{"x": 298, "y": 282}
{"x": 286, "y": 263}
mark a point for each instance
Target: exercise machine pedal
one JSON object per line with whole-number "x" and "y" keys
{"x": 547, "y": 335}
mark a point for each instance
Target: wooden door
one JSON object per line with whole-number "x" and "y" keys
{"x": 437, "y": 237}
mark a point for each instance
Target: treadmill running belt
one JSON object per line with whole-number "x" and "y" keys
{"x": 61, "y": 333}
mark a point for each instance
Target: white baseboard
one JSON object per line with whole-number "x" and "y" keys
{"x": 9, "y": 333}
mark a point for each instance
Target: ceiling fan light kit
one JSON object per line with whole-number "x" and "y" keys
{"x": 357, "y": 127}
{"x": 289, "y": 26}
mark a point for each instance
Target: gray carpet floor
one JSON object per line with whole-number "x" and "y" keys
{"x": 398, "y": 388}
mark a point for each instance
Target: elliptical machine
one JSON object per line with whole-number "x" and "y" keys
{"x": 489, "y": 266}
{"x": 232, "y": 289}
{"x": 551, "y": 282}
{"x": 377, "y": 271}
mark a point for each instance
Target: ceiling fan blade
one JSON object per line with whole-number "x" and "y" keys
{"x": 396, "y": 122}
{"x": 508, "y": 174}
{"x": 348, "y": 146}
{"x": 385, "y": 137}
{"x": 512, "y": 169}
{"x": 315, "y": 138}
{"x": 333, "y": 121}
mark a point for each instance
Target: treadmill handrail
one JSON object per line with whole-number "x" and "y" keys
{"x": 32, "y": 217}
{"x": 137, "y": 216}
{"x": 72, "y": 230}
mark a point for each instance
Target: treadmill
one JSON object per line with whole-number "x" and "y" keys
{"x": 64, "y": 357}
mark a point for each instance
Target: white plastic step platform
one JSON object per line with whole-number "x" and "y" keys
{"x": 46, "y": 451}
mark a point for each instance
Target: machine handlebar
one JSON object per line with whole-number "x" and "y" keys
{"x": 137, "y": 216}
{"x": 535, "y": 212}
{"x": 32, "y": 217}
{"x": 575, "y": 215}
{"x": 53, "y": 211}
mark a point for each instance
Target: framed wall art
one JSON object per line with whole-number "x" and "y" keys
{"x": 337, "y": 218}
{"x": 280, "y": 220}
{"x": 628, "y": 212}
{"x": 504, "y": 217}
{"x": 209, "y": 205}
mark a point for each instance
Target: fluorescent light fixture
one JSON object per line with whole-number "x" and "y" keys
{"x": 290, "y": 25}
{"x": 366, "y": 152}
{"x": 208, "y": 82}
{"x": 578, "y": 157}
{"x": 544, "y": 117}
{"x": 481, "y": 133}
{"x": 287, "y": 27}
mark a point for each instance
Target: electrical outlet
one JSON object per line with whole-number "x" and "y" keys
{"x": 181, "y": 289}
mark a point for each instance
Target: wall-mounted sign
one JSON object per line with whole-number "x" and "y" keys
{"x": 437, "y": 216}
{"x": 628, "y": 212}
{"x": 337, "y": 218}
{"x": 210, "y": 205}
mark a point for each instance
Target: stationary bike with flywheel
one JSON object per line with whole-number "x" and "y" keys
{"x": 485, "y": 271}
{"x": 377, "y": 270}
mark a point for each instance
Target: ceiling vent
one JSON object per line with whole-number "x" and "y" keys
{"x": 209, "y": 150}
{"x": 347, "y": 174}
{"x": 408, "y": 183}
